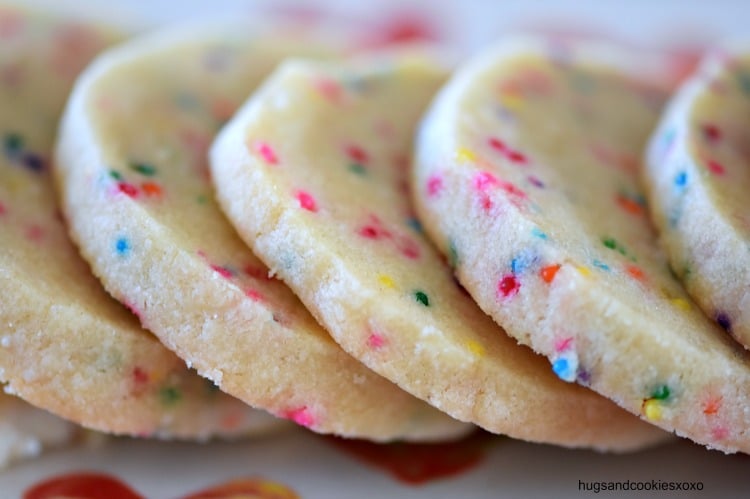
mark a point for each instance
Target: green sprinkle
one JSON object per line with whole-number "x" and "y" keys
{"x": 13, "y": 143}
{"x": 169, "y": 395}
{"x": 357, "y": 169}
{"x": 202, "y": 199}
{"x": 143, "y": 169}
{"x": 422, "y": 298}
{"x": 661, "y": 393}
{"x": 115, "y": 174}
{"x": 609, "y": 243}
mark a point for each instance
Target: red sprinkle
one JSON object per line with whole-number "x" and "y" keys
{"x": 715, "y": 167}
{"x": 254, "y": 295}
{"x": 329, "y": 89}
{"x": 3, "y": 209}
{"x": 635, "y": 272}
{"x": 259, "y": 273}
{"x": 497, "y": 144}
{"x": 306, "y": 201}
{"x": 508, "y": 286}
{"x": 375, "y": 341}
{"x": 357, "y": 154}
{"x": 409, "y": 248}
{"x": 517, "y": 157}
{"x": 629, "y": 205}
{"x": 139, "y": 376}
{"x": 222, "y": 271}
{"x": 128, "y": 189}
{"x": 711, "y": 132}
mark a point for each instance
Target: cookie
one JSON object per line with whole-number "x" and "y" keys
{"x": 696, "y": 186}
{"x": 526, "y": 172}
{"x": 313, "y": 173}
{"x": 66, "y": 346}
{"x": 135, "y": 183}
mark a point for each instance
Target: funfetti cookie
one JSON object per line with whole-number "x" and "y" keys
{"x": 134, "y": 177}
{"x": 698, "y": 182}
{"x": 527, "y": 176}
{"x": 313, "y": 173}
{"x": 65, "y": 345}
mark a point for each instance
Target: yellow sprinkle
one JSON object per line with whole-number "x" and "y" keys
{"x": 386, "y": 281}
{"x": 652, "y": 409}
{"x": 465, "y": 156}
{"x": 511, "y": 100}
{"x": 584, "y": 271}
{"x": 476, "y": 348}
{"x": 680, "y": 303}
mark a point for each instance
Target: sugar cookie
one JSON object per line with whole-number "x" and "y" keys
{"x": 313, "y": 173}
{"x": 697, "y": 183}
{"x": 65, "y": 345}
{"x": 135, "y": 184}
{"x": 527, "y": 174}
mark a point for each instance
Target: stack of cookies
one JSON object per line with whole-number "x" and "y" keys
{"x": 372, "y": 245}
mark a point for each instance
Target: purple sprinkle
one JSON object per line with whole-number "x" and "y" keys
{"x": 33, "y": 162}
{"x": 723, "y": 319}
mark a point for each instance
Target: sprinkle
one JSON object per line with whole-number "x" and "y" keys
{"x": 711, "y": 132}
{"x": 122, "y": 246}
{"x": 508, "y": 286}
{"x": 719, "y": 433}
{"x": 535, "y": 181}
{"x": 715, "y": 167}
{"x": 34, "y": 233}
{"x": 652, "y": 409}
{"x": 563, "y": 344}
{"x": 724, "y": 321}
{"x": 144, "y": 169}
{"x": 151, "y": 189}
{"x": 306, "y": 201}
{"x": 140, "y": 376}
{"x": 375, "y": 341}
{"x": 549, "y": 272}
{"x": 254, "y": 295}
{"x": 415, "y": 225}
{"x": 712, "y": 406}
{"x": 484, "y": 180}
{"x": 661, "y": 392}
{"x": 584, "y": 271}
{"x": 537, "y": 232}
{"x": 357, "y": 169}
{"x": 566, "y": 367}
{"x": 115, "y": 174}
{"x": 128, "y": 189}
{"x": 635, "y": 272}
{"x": 357, "y": 154}
{"x": 33, "y": 162}
{"x": 301, "y": 416}
{"x": 516, "y": 157}
{"x": 497, "y": 144}
{"x": 409, "y": 248}
{"x": 527, "y": 258}
{"x": 13, "y": 144}
{"x": 611, "y": 243}
{"x": 680, "y": 303}
{"x": 680, "y": 180}
{"x": 452, "y": 254}
{"x": 169, "y": 396}
{"x": 434, "y": 185}
{"x": 422, "y": 298}
{"x": 476, "y": 348}
{"x": 266, "y": 152}
{"x": 222, "y": 271}
{"x": 600, "y": 265}
{"x": 3, "y": 209}
{"x": 464, "y": 155}
{"x": 632, "y": 204}
{"x": 329, "y": 89}
{"x": 386, "y": 281}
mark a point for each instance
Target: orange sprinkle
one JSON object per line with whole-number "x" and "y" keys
{"x": 629, "y": 205}
{"x": 635, "y": 272}
{"x": 712, "y": 406}
{"x": 151, "y": 189}
{"x": 549, "y": 272}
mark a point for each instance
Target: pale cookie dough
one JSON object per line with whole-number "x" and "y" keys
{"x": 313, "y": 173}
{"x": 65, "y": 345}
{"x": 698, "y": 179}
{"x": 527, "y": 174}
{"x": 135, "y": 183}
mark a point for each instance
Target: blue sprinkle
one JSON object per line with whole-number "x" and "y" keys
{"x": 563, "y": 369}
{"x": 600, "y": 265}
{"x": 523, "y": 261}
{"x": 415, "y": 225}
{"x": 537, "y": 232}
{"x": 122, "y": 246}
{"x": 680, "y": 180}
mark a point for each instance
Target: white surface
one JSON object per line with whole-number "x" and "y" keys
{"x": 317, "y": 470}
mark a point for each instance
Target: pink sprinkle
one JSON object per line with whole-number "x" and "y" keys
{"x": 512, "y": 189}
{"x": 375, "y": 341}
{"x": 133, "y": 309}
{"x": 222, "y": 271}
{"x": 434, "y": 185}
{"x": 3, "y": 209}
{"x": 254, "y": 295}
{"x": 484, "y": 180}
{"x": 508, "y": 286}
{"x": 357, "y": 154}
{"x": 486, "y": 202}
{"x": 563, "y": 344}
{"x": 715, "y": 167}
{"x": 719, "y": 432}
{"x": 300, "y": 416}
{"x": 409, "y": 248}
{"x": 369, "y": 232}
{"x": 329, "y": 89}
{"x": 306, "y": 201}
{"x": 34, "y": 233}
{"x": 497, "y": 144}
{"x": 266, "y": 152}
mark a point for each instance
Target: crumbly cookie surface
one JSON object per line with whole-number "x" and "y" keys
{"x": 313, "y": 172}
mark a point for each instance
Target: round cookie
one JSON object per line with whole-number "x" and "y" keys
{"x": 697, "y": 179}
{"x": 313, "y": 173}
{"x": 66, "y": 346}
{"x": 135, "y": 183}
{"x": 526, "y": 172}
